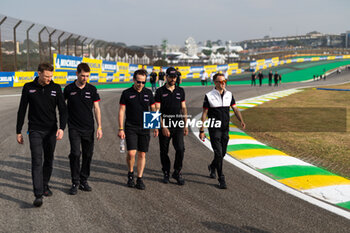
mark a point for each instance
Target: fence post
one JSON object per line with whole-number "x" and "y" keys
{"x": 59, "y": 42}
{"x": 50, "y": 34}
{"x": 1, "y": 22}
{"x": 89, "y": 46}
{"x": 95, "y": 47}
{"x": 75, "y": 45}
{"x": 28, "y": 45}
{"x": 82, "y": 47}
{"x": 15, "y": 45}
{"x": 68, "y": 43}
{"x": 39, "y": 35}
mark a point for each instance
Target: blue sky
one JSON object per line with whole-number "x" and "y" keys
{"x": 137, "y": 22}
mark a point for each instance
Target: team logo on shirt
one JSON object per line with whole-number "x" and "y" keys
{"x": 32, "y": 91}
{"x": 132, "y": 96}
{"x": 151, "y": 120}
{"x": 73, "y": 93}
{"x": 53, "y": 93}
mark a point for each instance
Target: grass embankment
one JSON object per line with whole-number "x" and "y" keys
{"x": 296, "y": 72}
{"x": 312, "y": 125}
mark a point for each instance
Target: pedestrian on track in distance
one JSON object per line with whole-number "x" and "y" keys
{"x": 153, "y": 80}
{"x": 161, "y": 76}
{"x": 211, "y": 78}
{"x": 270, "y": 78}
{"x": 83, "y": 103}
{"x": 170, "y": 101}
{"x": 43, "y": 97}
{"x": 279, "y": 79}
{"x": 276, "y": 78}
{"x": 216, "y": 106}
{"x": 204, "y": 79}
{"x": 134, "y": 101}
{"x": 260, "y": 76}
{"x": 178, "y": 79}
{"x": 226, "y": 77}
{"x": 253, "y": 81}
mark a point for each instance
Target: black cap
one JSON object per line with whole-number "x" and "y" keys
{"x": 171, "y": 72}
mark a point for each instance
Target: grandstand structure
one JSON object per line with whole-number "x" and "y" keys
{"x": 312, "y": 39}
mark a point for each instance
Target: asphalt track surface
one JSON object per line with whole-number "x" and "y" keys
{"x": 248, "y": 205}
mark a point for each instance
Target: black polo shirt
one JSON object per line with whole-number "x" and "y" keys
{"x": 170, "y": 102}
{"x": 136, "y": 103}
{"x": 80, "y": 103}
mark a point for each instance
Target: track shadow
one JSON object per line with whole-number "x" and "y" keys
{"x": 223, "y": 227}
{"x": 23, "y": 204}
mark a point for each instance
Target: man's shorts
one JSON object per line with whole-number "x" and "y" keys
{"x": 137, "y": 139}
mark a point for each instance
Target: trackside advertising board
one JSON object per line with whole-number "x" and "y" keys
{"x": 6, "y": 79}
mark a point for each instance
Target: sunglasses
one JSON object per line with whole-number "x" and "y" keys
{"x": 140, "y": 82}
{"x": 221, "y": 82}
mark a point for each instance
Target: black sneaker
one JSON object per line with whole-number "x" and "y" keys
{"x": 38, "y": 201}
{"x": 85, "y": 186}
{"x": 139, "y": 184}
{"x": 74, "y": 189}
{"x": 222, "y": 183}
{"x": 131, "y": 182}
{"x": 212, "y": 172}
{"x": 47, "y": 191}
{"x": 178, "y": 177}
{"x": 166, "y": 177}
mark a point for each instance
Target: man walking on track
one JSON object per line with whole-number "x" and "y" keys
{"x": 161, "y": 75}
{"x": 253, "y": 79}
{"x": 260, "y": 76}
{"x": 216, "y": 106}
{"x": 82, "y": 98}
{"x": 153, "y": 80}
{"x": 43, "y": 96}
{"x": 178, "y": 79}
{"x": 204, "y": 78}
{"x": 270, "y": 78}
{"x": 170, "y": 100}
{"x": 276, "y": 78}
{"x": 134, "y": 101}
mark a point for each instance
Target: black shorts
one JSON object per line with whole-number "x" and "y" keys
{"x": 137, "y": 139}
